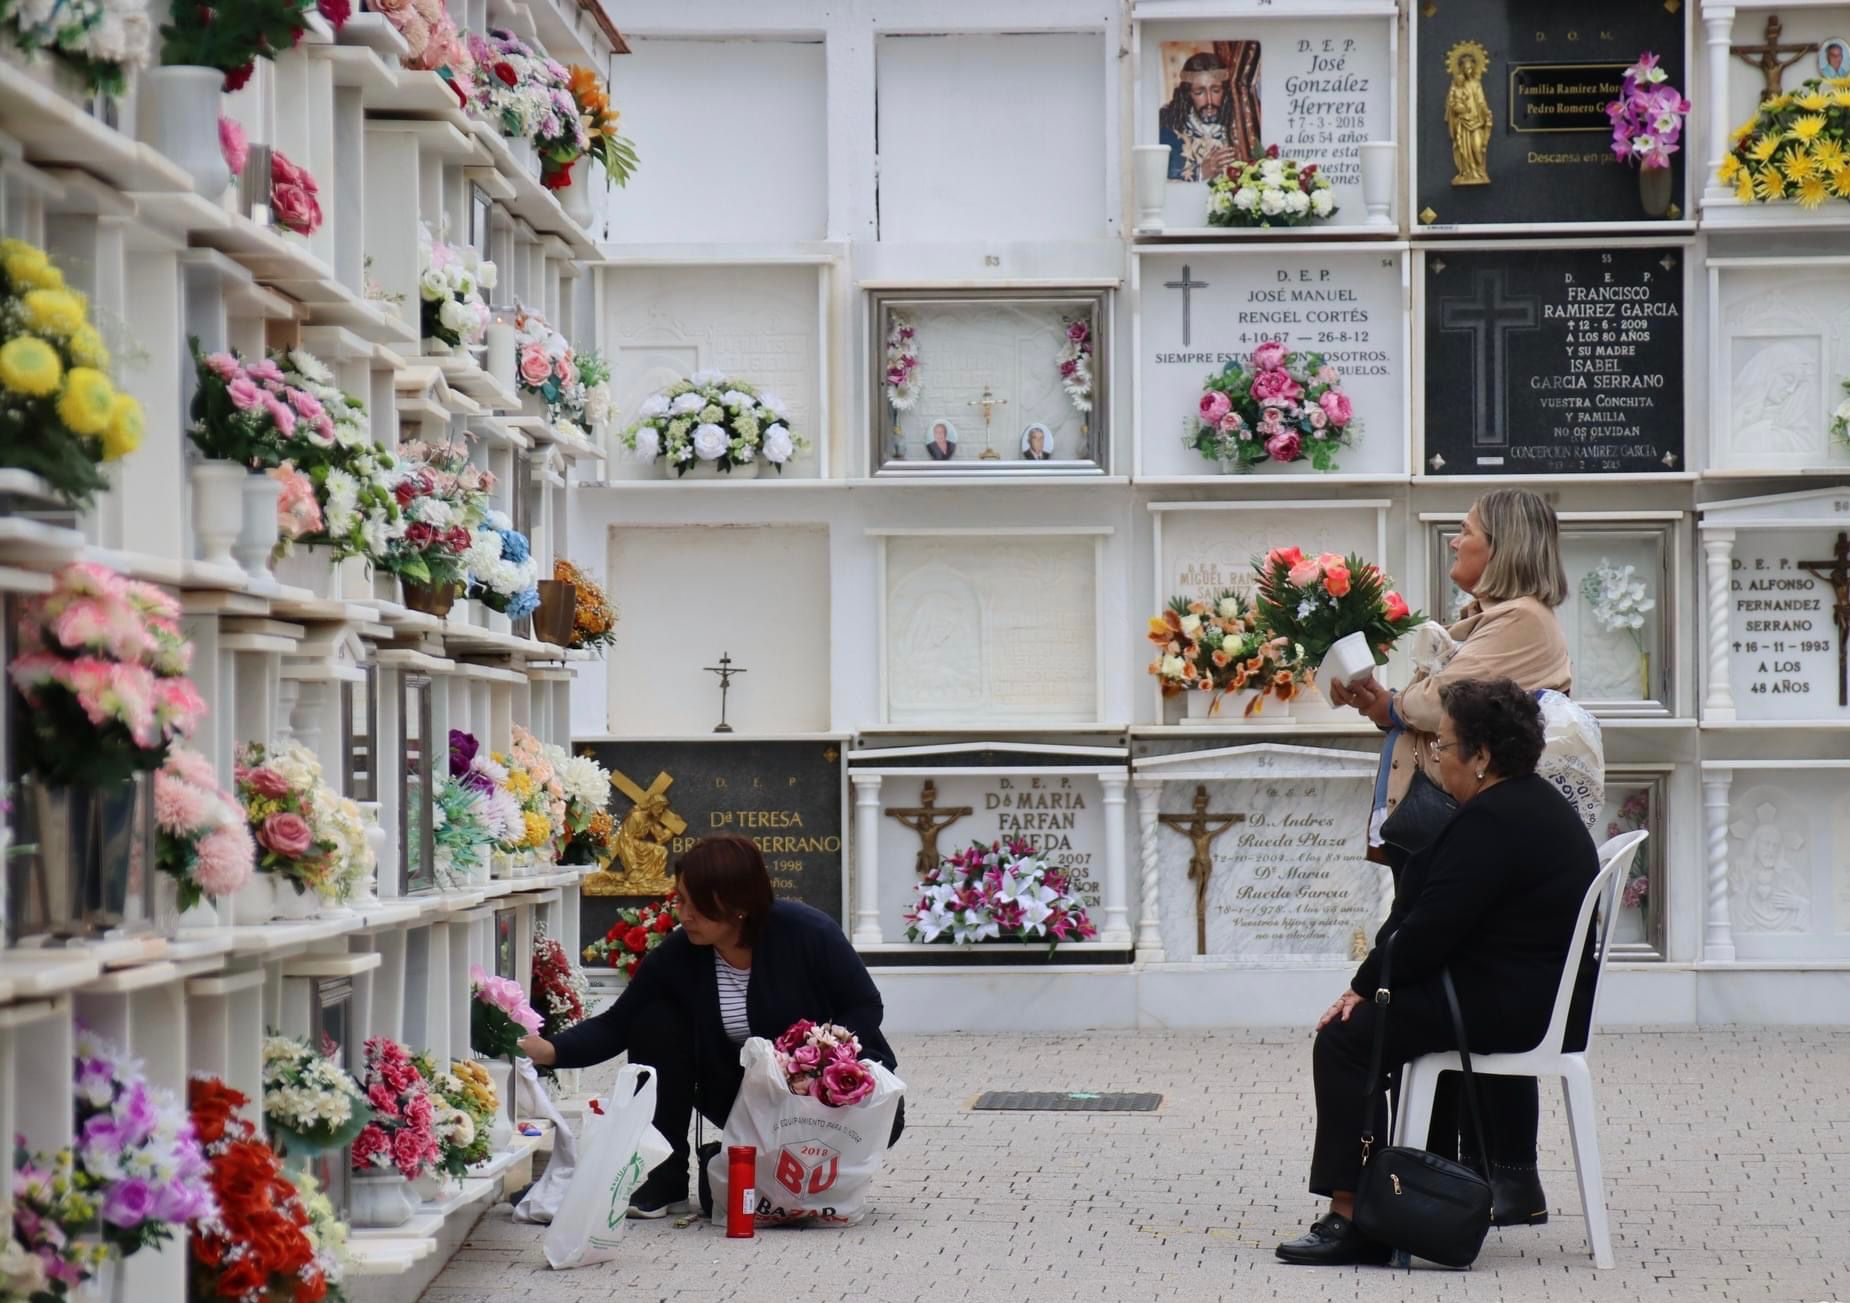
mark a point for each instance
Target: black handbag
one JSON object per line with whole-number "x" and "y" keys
{"x": 1420, "y": 816}
{"x": 1411, "y": 1199}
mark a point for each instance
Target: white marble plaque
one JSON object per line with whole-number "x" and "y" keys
{"x": 1783, "y": 637}
{"x": 756, "y": 324}
{"x": 1316, "y": 88}
{"x": 1198, "y": 311}
{"x": 1788, "y": 846}
{"x": 1208, "y": 550}
{"x": 1783, "y": 348}
{"x": 991, "y": 627}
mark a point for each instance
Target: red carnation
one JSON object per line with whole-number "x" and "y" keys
{"x": 235, "y": 79}
{"x": 1271, "y": 151}
{"x": 505, "y": 71}
{"x": 419, "y": 535}
{"x": 664, "y": 923}
{"x": 636, "y": 939}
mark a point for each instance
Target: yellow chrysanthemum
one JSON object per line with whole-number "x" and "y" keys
{"x": 1777, "y": 103}
{"x": 1764, "y": 148}
{"x": 1768, "y": 185}
{"x": 1841, "y": 98}
{"x": 1811, "y": 192}
{"x": 519, "y": 783}
{"x": 54, "y": 312}
{"x": 1814, "y": 101}
{"x": 1730, "y": 168}
{"x": 29, "y": 366}
{"x": 1743, "y": 131}
{"x": 539, "y": 828}
{"x": 1827, "y": 156}
{"x": 1840, "y": 182}
{"x": 87, "y": 348}
{"x": 88, "y": 402}
{"x": 1807, "y": 127}
{"x": 1744, "y": 187}
{"x": 125, "y": 425}
{"x": 1796, "y": 165}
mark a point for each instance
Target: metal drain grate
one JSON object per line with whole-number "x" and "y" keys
{"x": 1063, "y": 1101}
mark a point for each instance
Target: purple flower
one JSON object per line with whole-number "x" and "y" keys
{"x": 128, "y": 1203}
{"x": 137, "y": 1114}
{"x": 463, "y": 747}
{"x": 96, "y": 1081}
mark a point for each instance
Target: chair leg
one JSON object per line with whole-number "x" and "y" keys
{"x": 1583, "y": 1128}
{"x": 1419, "y": 1086}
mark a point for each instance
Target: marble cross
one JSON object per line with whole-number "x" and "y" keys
{"x": 1185, "y": 285}
{"x": 1490, "y": 316}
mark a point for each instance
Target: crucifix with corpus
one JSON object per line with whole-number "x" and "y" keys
{"x": 989, "y": 403}
{"x": 1201, "y": 828}
{"x": 1836, "y": 573}
{"x": 928, "y": 819}
{"x": 1765, "y": 57}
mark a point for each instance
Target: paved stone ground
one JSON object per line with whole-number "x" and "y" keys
{"x": 1726, "y": 1154}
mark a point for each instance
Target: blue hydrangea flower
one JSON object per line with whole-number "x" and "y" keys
{"x": 525, "y": 602}
{"x": 514, "y": 546}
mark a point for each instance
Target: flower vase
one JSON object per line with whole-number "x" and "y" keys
{"x": 552, "y": 622}
{"x": 1203, "y": 708}
{"x": 1654, "y": 190}
{"x": 1150, "y": 167}
{"x": 428, "y": 599}
{"x": 382, "y": 1201}
{"x": 501, "y": 1132}
{"x": 1377, "y": 158}
{"x": 703, "y": 469}
{"x": 92, "y": 870}
{"x": 218, "y": 510}
{"x": 257, "y": 538}
{"x": 177, "y": 111}
{"x": 255, "y": 902}
{"x": 1644, "y": 675}
{"x": 434, "y": 1187}
{"x": 531, "y": 404}
{"x": 311, "y": 566}
{"x": 576, "y": 197}
{"x": 295, "y": 903}
{"x": 169, "y": 919}
{"x": 1348, "y": 661}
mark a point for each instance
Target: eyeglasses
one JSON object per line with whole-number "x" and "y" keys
{"x": 1438, "y": 748}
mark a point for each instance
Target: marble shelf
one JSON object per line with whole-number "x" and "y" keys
{"x": 52, "y": 130}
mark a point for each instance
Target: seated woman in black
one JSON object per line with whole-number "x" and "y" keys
{"x": 741, "y": 964}
{"x": 1494, "y": 899}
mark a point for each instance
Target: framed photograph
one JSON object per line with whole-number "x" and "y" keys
{"x": 504, "y": 943}
{"x": 984, "y": 381}
{"x": 1834, "y": 58}
{"x": 1209, "y": 107}
{"x": 1635, "y": 799}
{"x": 421, "y": 766}
{"x": 1621, "y": 573}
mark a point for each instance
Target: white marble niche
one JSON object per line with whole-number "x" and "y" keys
{"x": 1779, "y": 354}
{"x": 1779, "y": 860}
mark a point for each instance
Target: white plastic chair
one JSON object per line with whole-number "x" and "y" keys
{"x": 1419, "y": 1079}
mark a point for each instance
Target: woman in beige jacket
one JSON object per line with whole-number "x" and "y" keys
{"x": 1507, "y": 556}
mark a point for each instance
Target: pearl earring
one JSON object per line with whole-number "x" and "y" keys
{"x": 1480, "y": 773}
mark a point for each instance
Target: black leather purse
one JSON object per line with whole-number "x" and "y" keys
{"x": 1420, "y": 816}
{"x": 1411, "y": 1199}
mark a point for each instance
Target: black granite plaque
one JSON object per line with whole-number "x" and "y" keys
{"x": 785, "y": 796}
{"x": 1549, "y": 70}
{"x": 1553, "y": 361}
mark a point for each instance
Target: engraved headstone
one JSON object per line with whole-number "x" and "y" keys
{"x": 1787, "y": 655}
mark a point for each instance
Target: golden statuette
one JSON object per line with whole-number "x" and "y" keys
{"x": 1467, "y": 113}
{"x": 641, "y": 843}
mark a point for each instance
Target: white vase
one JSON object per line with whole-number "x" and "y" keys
{"x": 258, "y": 536}
{"x": 177, "y": 111}
{"x": 1349, "y": 660}
{"x": 576, "y": 197}
{"x": 311, "y": 566}
{"x": 709, "y": 470}
{"x": 1378, "y": 180}
{"x": 501, "y": 1132}
{"x": 434, "y": 1186}
{"x": 1199, "y": 708}
{"x": 382, "y": 1202}
{"x": 169, "y": 918}
{"x": 1150, "y": 168}
{"x": 218, "y": 510}
{"x": 295, "y": 903}
{"x": 254, "y": 902}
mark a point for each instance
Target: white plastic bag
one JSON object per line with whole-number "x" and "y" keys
{"x": 619, "y": 1149}
{"x": 542, "y": 1199}
{"x": 816, "y": 1164}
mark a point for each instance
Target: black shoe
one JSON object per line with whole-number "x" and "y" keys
{"x": 1333, "y": 1241}
{"x": 660, "y": 1195}
{"x": 1516, "y": 1197}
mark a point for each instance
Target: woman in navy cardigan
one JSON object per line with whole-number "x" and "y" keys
{"x": 741, "y": 964}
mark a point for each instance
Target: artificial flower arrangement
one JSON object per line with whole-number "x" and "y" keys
{"x": 823, "y": 1061}
{"x": 611, "y": 151}
{"x": 533, "y": 780}
{"x": 478, "y": 1087}
{"x": 352, "y": 478}
{"x": 1620, "y": 601}
{"x": 902, "y": 364}
{"x": 1270, "y": 191}
{"x": 499, "y": 1015}
{"x": 1634, "y": 813}
{"x": 527, "y": 96}
{"x": 101, "y": 40}
{"x": 545, "y": 365}
{"x": 559, "y": 988}
{"x": 54, "y": 1247}
{"x": 637, "y": 931}
{"x": 435, "y": 44}
{"x": 60, "y": 417}
{"x": 585, "y": 784}
{"x": 709, "y": 418}
{"x": 441, "y": 498}
{"x": 1647, "y": 118}
{"x": 310, "y": 1102}
{"x": 306, "y": 833}
{"x": 295, "y": 199}
{"x": 261, "y": 1245}
{"x": 462, "y": 1123}
{"x": 327, "y": 1235}
{"x": 1003, "y": 891}
{"x": 473, "y": 812}
{"x": 102, "y": 665}
{"x": 1217, "y": 646}
{"x": 1276, "y": 406}
{"x": 1314, "y": 603}
{"x": 451, "y": 278}
{"x": 232, "y": 37}
{"x": 1076, "y": 364}
{"x": 138, "y": 1157}
{"x": 597, "y": 406}
{"x": 202, "y": 839}
{"x": 1796, "y": 146}
{"x": 594, "y": 623}
{"x": 234, "y": 144}
{"x": 401, "y": 1137}
{"x": 255, "y": 414}
{"x": 499, "y": 568}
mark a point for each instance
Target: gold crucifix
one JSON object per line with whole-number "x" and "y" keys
{"x": 1197, "y": 829}
{"x": 928, "y": 820}
{"x": 1766, "y": 57}
{"x": 989, "y": 403}
{"x": 1836, "y": 573}
{"x": 641, "y": 842}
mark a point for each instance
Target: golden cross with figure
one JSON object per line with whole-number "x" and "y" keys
{"x": 659, "y": 788}
{"x": 989, "y": 403}
{"x": 927, "y": 819}
{"x": 1836, "y": 573}
{"x": 1197, "y": 829}
{"x": 1766, "y": 57}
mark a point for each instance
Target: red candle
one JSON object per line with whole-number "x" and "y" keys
{"x": 741, "y": 1198}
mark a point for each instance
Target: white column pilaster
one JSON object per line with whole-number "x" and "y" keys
{"x": 1718, "y": 32}
{"x": 1718, "y": 694}
{"x": 1116, "y": 924}
{"x": 1149, "y": 935}
{"x": 866, "y": 859}
{"x": 1717, "y": 927}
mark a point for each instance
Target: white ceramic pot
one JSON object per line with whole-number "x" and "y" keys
{"x": 501, "y": 1131}
{"x": 254, "y": 902}
{"x": 1378, "y": 158}
{"x": 434, "y": 1186}
{"x": 382, "y": 1201}
{"x": 709, "y": 470}
{"x": 218, "y": 510}
{"x": 176, "y": 111}
{"x": 169, "y": 919}
{"x": 1348, "y": 661}
{"x": 1150, "y": 167}
{"x": 1269, "y": 711}
{"x": 295, "y": 904}
{"x": 257, "y": 537}
{"x": 576, "y": 197}
{"x": 1200, "y": 708}
{"x": 311, "y": 566}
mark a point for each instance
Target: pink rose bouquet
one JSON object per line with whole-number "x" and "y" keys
{"x": 499, "y": 1015}
{"x": 298, "y": 511}
{"x": 1311, "y": 603}
{"x": 233, "y": 144}
{"x": 402, "y": 1136}
{"x": 304, "y": 831}
{"x": 201, "y": 836}
{"x": 999, "y": 892}
{"x": 102, "y": 665}
{"x": 547, "y": 366}
{"x": 1277, "y": 406}
{"x": 295, "y": 199}
{"x": 824, "y": 1062}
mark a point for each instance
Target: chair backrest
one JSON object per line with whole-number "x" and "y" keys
{"x": 1602, "y": 894}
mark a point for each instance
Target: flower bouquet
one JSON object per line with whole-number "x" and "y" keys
{"x": 902, "y": 364}
{"x": 1218, "y": 647}
{"x": 102, "y": 665}
{"x": 499, "y": 1015}
{"x": 1270, "y": 191}
{"x": 637, "y": 931}
{"x": 586, "y": 788}
{"x": 60, "y": 418}
{"x": 594, "y": 376}
{"x": 1276, "y": 406}
{"x": 451, "y": 278}
{"x": 499, "y": 568}
{"x": 54, "y": 1247}
{"x": 1796, "y": 146}
{"x": 442, "y": 498}
{"x": 594, "y": 623}
{"x": 232, "y": 37}
{"x": 523, "y": 93}
{"x": 615, "y": 154}
{"x": 710, "y": 420}
{"x": 351, "y": 477}
{"x": 251, "y": 414}
{"x": 309, "y": 1101}
{"x": 999, "y": 892}
{"x": 823, "y": 1061}
{"x": 1337, "y": 614}
{"x": 536, "y": 785}
{"x": 1076, "y": 364}
{"x": 202, "y": 839}
{"x": 1647, "y": 118}
{"x": 462, "y": 1121}
{"x": 401, "y": 1136}
{"x": 306, "y": 833}
{"x": 545, "y": 365}
{"x": 435, "y": 43}
{"x": 1619, "y": 604}
{"x": 327, "y": 1236}
{"x": 102, "y": 40}
{"x": 295, "y": 199}
{"x": 474, "y": 811}
{"x": 258, "y": 1246}
{"x": 137, "y": 1155}
{"x": 559, "y": 988}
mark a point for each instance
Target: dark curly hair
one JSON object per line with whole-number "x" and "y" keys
{"x": 1498, "y": 718}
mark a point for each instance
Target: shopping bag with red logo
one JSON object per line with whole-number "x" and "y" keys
{"x": 619, "y": 1147}
{"x": 819, "y": 1116}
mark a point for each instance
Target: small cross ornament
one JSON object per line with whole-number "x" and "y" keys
{"x": 725, "y": 669}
